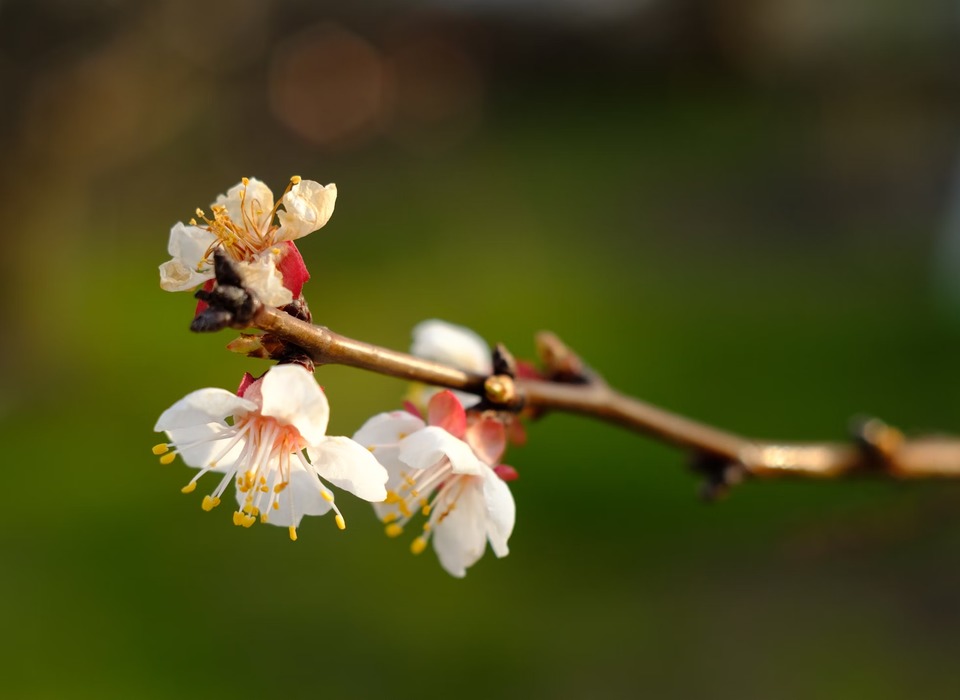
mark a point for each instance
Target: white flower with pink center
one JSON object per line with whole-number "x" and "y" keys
{"x": 444, "y": 470}
{"x": 276, "y": 449}
{"x": 243, "y": 224}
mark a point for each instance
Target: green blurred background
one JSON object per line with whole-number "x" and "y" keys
{"x": 738, "y": 210}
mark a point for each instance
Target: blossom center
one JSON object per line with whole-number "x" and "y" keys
{"x": 433, "y": 492}
{"x": 244, "y": 239}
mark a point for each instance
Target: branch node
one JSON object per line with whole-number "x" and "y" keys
{"x": 500, "y": 390}
{"x": 229, "y": 303}
{"x": 878, "y": 441}
{"x": 719, "y": 475}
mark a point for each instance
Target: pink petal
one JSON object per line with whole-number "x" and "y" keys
{"x": 293, "y": 269}
{"x": 245, "y": 383}
{"x": 202, "y": 305}
{"x": 506, "y": 472}
{"x": 488, "y": 438}
{"x": 516, "y": 432}
{"x": 412, "y": 409}
{"x": 445, "y": 411}
{"x": 526, "y": 370}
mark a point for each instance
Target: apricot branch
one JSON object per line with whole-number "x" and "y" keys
{"x": 724, "y": 458}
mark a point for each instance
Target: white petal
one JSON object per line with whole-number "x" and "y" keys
{"x": 389, "y": 457}
{"x": 387, "y": 428}
{"x": 292, "y": 396}
{"x": 501, "y": 511}
{"x": 188, "y": 245}
{"x": 451, "y": 345}
{"x": 257, "y": 202}
{"x": 349, "y": 465}
{"x": 199, "y": 444}
{"x": 460, "y": 539}
{"x": 201, "y": 407}
{"x": 308, "y": 206}
{"x": 263, "y": 278}
{"x": 424, "y": 448}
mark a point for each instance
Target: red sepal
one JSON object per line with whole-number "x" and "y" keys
{"x": 506, "y": 472}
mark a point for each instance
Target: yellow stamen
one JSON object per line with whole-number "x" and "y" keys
{"x": 418, "y": 545}
{"x": 237, "y": 518}
{"x": 168, "y": 458}
{"x": 189, "y": 488}
{"x": 245, "y": 181}
{"x": 280, "y": 487}
{"x": 393, "y": 530}
{"x": 209, "y": 503}
{"x": 263, "y": 517}
{"x": 248, "y": 520}
{"x": 276, "y": 505}
{"x": 402, "y": 505}
{"x": 327, "y": 496}
{"x": 340, "y": 522}
{"x": 392, "y": 497}
{"x": 160, "y": 449}
{"x": 295, "y": 179}
{"x": 425, "y": 510}
{"x": 390, "y": 517}
{"x": 293, "y": 533}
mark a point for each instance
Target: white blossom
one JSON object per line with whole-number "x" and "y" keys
{"x": 456, "y": 346}
{"x": 242, "y": 224}
{"x": 276, "y": 449}
{"x": 443, "y": 471}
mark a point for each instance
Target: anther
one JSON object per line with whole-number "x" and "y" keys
{"x": 189, "y": 488}
{"x": 327, "y": 496}
{"x": 393, "y": 530}
{"x": 209, "y": 503}
{"x": 160, "y": 449}
{"x": 295, "y": 180}
{"x": 341, "y": 523}
{"x": 418, "y": 545}
{"x": 293, "y": 533}
{"x": 168, "y": 458}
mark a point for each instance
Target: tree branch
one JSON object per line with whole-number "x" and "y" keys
{"x": 724, "y": 457}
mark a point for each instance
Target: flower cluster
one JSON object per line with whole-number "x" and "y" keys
{"x": 243, "y": 224}
{"x": 269, "y": 438}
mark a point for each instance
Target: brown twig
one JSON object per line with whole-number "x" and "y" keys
{"x": 724, "y": 457}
